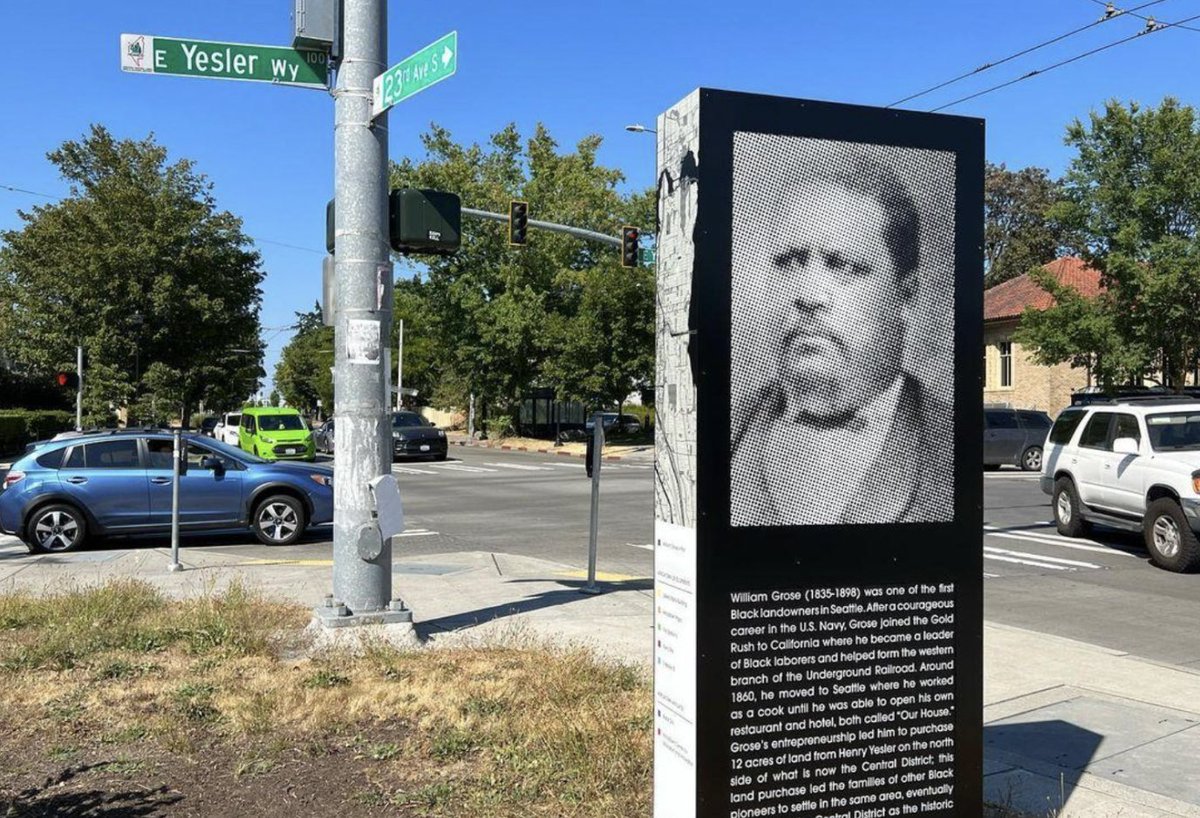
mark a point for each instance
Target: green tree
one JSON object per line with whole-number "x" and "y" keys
{"x": 1019, "y": 234}
{"x": 139, "y": 266}
{"x": 500, "y": 316}
{"x": 303, "y": 374}
{"x": 1133, "y": 206}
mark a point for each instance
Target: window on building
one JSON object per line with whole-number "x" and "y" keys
{"x": 1006, "y": 373}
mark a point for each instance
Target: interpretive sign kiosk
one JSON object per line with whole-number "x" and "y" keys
{"x": 818, "y": 563}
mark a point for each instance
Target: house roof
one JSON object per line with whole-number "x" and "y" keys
{"x": 1010, "y": 298}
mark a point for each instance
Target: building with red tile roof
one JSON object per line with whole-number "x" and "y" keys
{"x": 1011, "y": 378}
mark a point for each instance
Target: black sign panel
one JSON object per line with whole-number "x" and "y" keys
{"x": 834, "y": 332}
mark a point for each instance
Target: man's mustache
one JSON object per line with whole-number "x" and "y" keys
{"x": 794, "y": 334}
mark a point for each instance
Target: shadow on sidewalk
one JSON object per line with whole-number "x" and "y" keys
{"x": 1062, "y": 752}
{"x": 568, "y": 592}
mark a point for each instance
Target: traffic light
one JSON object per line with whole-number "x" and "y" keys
{"x": 629, "y": 246}
{"x": 518, "y": 222}
{"x": 66, "y": 379}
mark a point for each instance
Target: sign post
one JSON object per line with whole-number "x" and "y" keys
{"x": 818, "y": 564}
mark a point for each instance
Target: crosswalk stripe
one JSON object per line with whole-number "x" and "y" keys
{"x": 644, "y": 546}
{"x": 987, "y": 549}
{"x": 1060, "y": 542}
{"x": 418, "y": 533}
{"x": 461, "y": 467}
{"x": 520, "y": 467}
{"x": 565, "y": 465}
{"x": 411, "y": 470}
{"x": 1000, "y": 558}
{"x": 986, "y": 575}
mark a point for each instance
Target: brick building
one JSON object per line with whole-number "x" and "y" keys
{"x": 1010, "y": 377}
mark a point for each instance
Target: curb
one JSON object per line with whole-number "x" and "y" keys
{"x": 502, "y": 447}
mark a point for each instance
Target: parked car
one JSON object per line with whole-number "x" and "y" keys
{"x": 612, "y": 422}
{"x": 208, "y": 425}
{"x": 1131, "y": 464}
{"x": 1014, "y": 437}
{"x": 119, "y": 482}
{"x": 276, "y": 433}
{"x": 413, "y": 436}
{"x": 227, "y": 430}
{"x": 323, "y": 437}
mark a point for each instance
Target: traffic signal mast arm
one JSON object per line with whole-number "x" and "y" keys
{"x": 578, "y": 232}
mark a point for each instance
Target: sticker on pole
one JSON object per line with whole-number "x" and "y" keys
{"x": 364, "y": 343}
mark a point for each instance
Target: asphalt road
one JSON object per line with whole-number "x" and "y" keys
{"x": 1101, "y": 590}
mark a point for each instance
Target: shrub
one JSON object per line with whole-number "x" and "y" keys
{"x": 18, "y": 427}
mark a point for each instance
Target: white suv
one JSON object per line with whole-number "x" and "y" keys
{"x": 227, "y": 430}
{"x": 1132, "y": 464}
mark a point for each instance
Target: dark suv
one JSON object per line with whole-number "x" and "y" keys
{"x": 63, "y": 491}
{"x": 1014, "y": 437}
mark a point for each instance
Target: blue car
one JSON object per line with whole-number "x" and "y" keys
{"x": 119, "y": 482}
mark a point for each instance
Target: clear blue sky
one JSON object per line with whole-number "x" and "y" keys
{"x": 580, "y": 68}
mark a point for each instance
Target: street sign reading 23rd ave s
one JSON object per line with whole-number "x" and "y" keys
{"x": 143, "y": 53}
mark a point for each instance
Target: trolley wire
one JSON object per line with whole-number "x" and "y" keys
{"x": 1108, "y": 4}
{"x": 1152, "y": 28}
{"x": 1111, "y": 15}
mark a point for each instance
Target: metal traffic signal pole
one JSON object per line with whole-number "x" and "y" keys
{"x": 362, "y": 559}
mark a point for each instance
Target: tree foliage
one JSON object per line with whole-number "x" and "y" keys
{"x": 1133, "y": 207}
{"x": 303, "y": 374}
{"x": 139, "y": 266}
{"x": 557, "y": 312}
{"x": 1019, "y": 235}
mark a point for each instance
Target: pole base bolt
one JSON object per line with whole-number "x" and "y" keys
{"x": 397, "y": 605}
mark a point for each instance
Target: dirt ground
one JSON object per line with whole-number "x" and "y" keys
{"x": 334, "y": 777}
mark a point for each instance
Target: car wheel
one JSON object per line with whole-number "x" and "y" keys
{"x": 1067, "y": 509}
{"x": 1169, "y": 539}
{"x": 1031, "y": 460}
{"x": 440, "y": 456}
{"x": 56, "y": 528}
{"x": 278, "y": 520}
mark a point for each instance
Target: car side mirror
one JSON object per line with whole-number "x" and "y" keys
{"x": 1125, "y": 445}
{"x": 213, "y": 464}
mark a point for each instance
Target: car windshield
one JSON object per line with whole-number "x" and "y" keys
{"x": 1174, "y": 431}
{"x": 232, "y": 451}
{"x": 403, "y": 419}
{"x": 280, "y": 423}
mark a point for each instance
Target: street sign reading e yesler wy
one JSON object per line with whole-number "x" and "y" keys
{"x": 429, "y": 66}
{"x": 143, "y": 53}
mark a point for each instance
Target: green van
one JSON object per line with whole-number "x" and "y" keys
{"x": 276, "y": 433}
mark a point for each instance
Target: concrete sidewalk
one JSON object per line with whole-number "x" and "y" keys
{"x": 1069, "y": 727}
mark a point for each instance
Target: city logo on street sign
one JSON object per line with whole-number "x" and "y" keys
{"x": 429, "y": 66}
{"x": 146, "y": 54}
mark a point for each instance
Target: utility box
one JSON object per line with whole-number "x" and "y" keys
{"x": 424, "y": 221}
{"x": 314, "y": 24}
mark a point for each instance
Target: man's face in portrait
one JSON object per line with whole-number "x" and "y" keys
{"x": 837, "y": 323}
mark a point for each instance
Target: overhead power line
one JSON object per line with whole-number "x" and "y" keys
{"x": 1107, "y": 4}
{"x": 30, "y": 192}
{"x": 1112, "y": 14}
{"x": 252, "y": 238}
{"x": 1151, "y": 28}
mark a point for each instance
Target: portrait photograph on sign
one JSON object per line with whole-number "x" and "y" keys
{"x": 841, "y": 332}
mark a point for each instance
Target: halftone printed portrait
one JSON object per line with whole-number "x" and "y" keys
{"x": 842, "y": 347}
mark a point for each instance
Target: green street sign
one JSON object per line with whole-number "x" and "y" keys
{"x": 646, "y": 255}
{"x": 142, "y": 53}
{"x": 429, "y": 66}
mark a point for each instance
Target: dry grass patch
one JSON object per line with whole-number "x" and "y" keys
{"x": 518, "y": 730}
